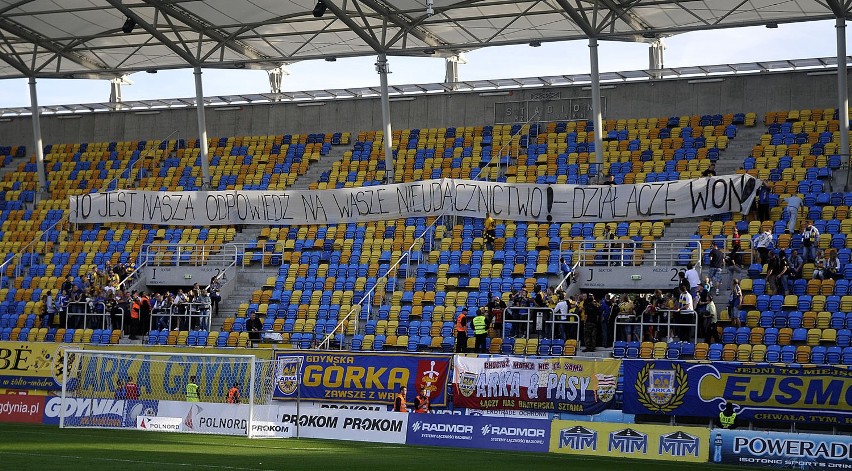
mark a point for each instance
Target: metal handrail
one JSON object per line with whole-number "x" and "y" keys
{"x": 663, "y": 252}
{"x": 203, "y": 254}
{"x": 104, "y": 314}
{"x": 526, "y": 318}
{"x": 499, "y": 154}
{"x": 641, "y": 323}
{"x": 193, "y": 311}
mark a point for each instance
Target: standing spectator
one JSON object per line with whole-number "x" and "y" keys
{"x": 711, "y": 170}
{"x": 810, "y": 241}
{"x": 610, "y": 180}
{"x": 717, "y": 261}
{"x": 541, "y": 315}
{"x": 490, "y": 231}
{"x": 614, "y": 256}
{"x": 693, "y": 278}
{"x": 763, "y": 193}
{"x": 794, "y": 202}
{"x": 421, "y": 403}
{"x": 604, "y": 310}
{"x": 560, "y": 314}
{"x": 701, "y": 301}
{"x": 134, "y": 319}
{"x": 131, "y": 389}
{"x": 710, "y": 320}
{"x": 626, "y": 314}
{"x": 181, "y": 302}
{"x": 254, "y": 326}
{"x": 203, "y": 300}
{"x": 763, "y": 243}
{"x": 213, "y": 290}
{"x": 399, "y": 404}
{"x": 120, "y": 391}
{"x": 590, "y": 328}
{"x": 497, "y": 308}
{"x": 145, "y": 312}
{"x": 686, "y": 311}
{"x": 781, "y": 272}
{"x": 736, "y": 247}
{"x": 480, "y": 331}
{"x": 736, "y": 299}
{"x": 564, "y": 267}
{"x": 234, "y": 394}
{"x": 461, "y": 331}
{"x": 796, "y": 265}
{"x": 49, "y": 309}
{"x": 192, "y": 390}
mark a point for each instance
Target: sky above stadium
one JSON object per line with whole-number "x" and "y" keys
{"x": 788, "y": 41}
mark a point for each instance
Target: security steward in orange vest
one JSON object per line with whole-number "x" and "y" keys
{"x": 421, "y": 403}
{"x": 134, "y": 319}
{"x": 461, "y": 332}
{"x": 399, "y": 403}
{"x": 234, "y": 394}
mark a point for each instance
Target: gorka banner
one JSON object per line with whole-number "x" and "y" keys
{"x": 781, "y": 450}
{"x": 451, "y": 197}
{"x": 791, "y": 393}
{"x": 371, "y": 378}
{"x": 548, "y": 384}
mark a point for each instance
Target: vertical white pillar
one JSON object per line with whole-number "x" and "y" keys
{"x": 39, "y": 146}
{"x": 596, "y": 103}
{"x": 382, "y": 69}
{"x": 202, "y": 131}
{"x": 843, "y": 94}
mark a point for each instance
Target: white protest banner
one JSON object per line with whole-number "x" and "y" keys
{"x": 451, "y": 197}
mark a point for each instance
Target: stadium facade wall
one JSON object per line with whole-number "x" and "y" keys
{"x": 741, "y": 93}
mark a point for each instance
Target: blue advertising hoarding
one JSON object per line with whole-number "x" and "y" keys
{"x": 780, "y": 450}
{"x": 490, "y": 433}
{"x": 371, "y": 378}
{"x": 114, "y": 413}
{"x": 768, "y": 392}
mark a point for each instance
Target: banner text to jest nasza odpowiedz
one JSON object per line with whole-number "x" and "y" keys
{"x": 451, "y": 197}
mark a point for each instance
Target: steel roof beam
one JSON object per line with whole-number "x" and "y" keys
{"x": 368, "y": 38}
{"x": 164, "y": 40}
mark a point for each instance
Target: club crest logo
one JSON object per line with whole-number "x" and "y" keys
{"x": 467, "y": 384}
{"x": 604, "y": 386}
{"x": 661, "y": 391}
{"x": 287, "y": 379}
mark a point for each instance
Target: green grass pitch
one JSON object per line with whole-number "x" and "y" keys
{"x": 43, "y": 448}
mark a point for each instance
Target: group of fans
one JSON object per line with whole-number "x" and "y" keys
{"x": 99, "y": 300}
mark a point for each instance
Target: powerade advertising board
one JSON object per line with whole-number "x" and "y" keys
{"x": 789, "y": 393}
{"x": 781, "y": 450}
{"x": 370, "y": 378}
{"x": 490, "y": 433}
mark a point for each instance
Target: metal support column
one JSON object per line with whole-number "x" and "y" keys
{"x": 596, "y": 103}
{"x": 202, "y": 131}
{"x": 843, "y": 96}
{"x": 39, "y": 147}
{"x": 656, "y": 57}
{"x": 382, "y": 69}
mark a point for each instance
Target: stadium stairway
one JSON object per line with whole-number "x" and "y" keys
{"x": 248, "y": 279}
{"x": 738, "y": 149}
{"x": 316, "y": 169}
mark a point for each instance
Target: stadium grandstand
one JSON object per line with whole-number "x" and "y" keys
{"x": 258, "y": 221}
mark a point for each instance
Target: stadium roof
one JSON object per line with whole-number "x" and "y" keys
{"x": 85, "y": 38}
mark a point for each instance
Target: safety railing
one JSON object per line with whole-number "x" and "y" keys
{"x": 540, "y": 321}
{"x": 167, "y": 254}
{"x": 625, "y": 252}
{"x": 184, "y": 316}
{"x": 88, "y": 315}
{"x": 680, "y": 324}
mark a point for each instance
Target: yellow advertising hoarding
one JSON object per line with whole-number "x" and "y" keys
{"x": 37, "y": 366}
{"x": 652, "y": 442}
